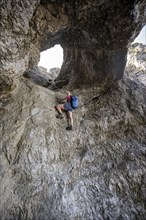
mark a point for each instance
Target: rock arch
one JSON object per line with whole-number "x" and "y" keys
{"x": 94, "y": 36}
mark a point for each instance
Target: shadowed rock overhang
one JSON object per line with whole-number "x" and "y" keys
{"x": 94, "y": 35}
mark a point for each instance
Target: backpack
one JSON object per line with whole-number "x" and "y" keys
{"x": 74, "y": 101}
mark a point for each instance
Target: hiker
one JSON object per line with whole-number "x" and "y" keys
{"x": 67, "y": 107}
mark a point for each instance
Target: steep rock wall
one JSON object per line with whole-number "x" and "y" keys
{"x": 96, "y": 171}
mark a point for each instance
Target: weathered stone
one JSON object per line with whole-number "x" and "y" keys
{"x": 96, "y": 171}
{"x": 98, "y": 31}
{"x": 40, "y": 76}
{"x": 51, "y": 74}
{"x": 6, "y": 84}
{"x": 102, "y": 67}
{"x": 136, "y": 59}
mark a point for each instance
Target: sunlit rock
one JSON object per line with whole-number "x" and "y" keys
{"x": 136, "y": 59}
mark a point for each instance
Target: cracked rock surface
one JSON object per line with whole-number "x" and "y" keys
{"x": 96, "y": 171}
{"x": 94, "y": 36}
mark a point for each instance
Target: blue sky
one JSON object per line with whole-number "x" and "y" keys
{"x": 54, "y": 56}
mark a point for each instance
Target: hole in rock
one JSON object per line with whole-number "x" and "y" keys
{"x": 141, "y": 38}
{"x": 51, "y": 61}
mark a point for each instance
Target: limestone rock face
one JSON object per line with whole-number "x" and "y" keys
{"x": 96, "y": 171}
{"x": 94, "y": 36}
{"x": 40, "y": 76}
{"x": 54, "y": 72}
{"x": 136, "y": 59}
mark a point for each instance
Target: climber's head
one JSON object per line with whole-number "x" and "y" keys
{"x": 68, "y": 93}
